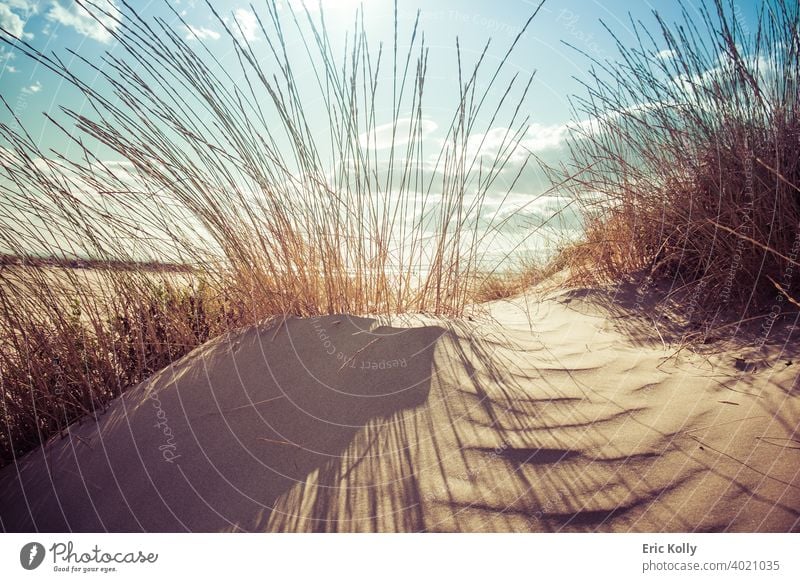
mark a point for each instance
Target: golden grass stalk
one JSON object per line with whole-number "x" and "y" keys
{"x": 689, "y": 162}
{"x": 272, "y": 191}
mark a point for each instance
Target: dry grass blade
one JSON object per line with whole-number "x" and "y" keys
{"x": 688, "y": 162}
{"x": 269, "y": 203}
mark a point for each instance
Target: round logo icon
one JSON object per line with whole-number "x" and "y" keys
{"x": 31, "y": 555}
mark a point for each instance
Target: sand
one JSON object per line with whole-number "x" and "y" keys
{"x": 553, "y": 414}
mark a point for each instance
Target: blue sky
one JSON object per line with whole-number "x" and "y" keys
{"x": 57, "y": 25}
{"x": 60, "y": 26}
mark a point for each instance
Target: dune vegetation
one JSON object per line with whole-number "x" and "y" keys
{"x": 685, "y": 162}
{"x": 275, "y": 203}
{"x": 689, "y": 167}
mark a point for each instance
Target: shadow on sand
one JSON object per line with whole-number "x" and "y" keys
{"x": 211, "y": 443}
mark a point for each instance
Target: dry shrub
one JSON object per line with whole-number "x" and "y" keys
{"x": 495, "y": 286}
{"x": 604, "y": 254}
{"x": 690, "y": 162}
{"x": 76, "y": 340}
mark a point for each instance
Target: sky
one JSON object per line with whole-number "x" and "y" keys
{"x": 558, "y": 48}
{"x": 58, "y": 25}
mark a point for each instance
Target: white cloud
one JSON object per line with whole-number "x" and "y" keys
{"x": 500, "y": 141}
{"x": 724, "y": 73}
{"x": 544, "y": 137}
{"x": 200, "y": 33}
{"x": 297, "y": 5}
{"x": 665, "y": 55}
{"x": 11, "y": 69}
{"x": 631, "y": 114}
{"x": 31, "y": 89}
{"x": 247, "y": 22}
{"x": 78, "y": 17}
{"x": 505, "y": 204}
{"x": 381, "y": 137}
{"x": 10, "y": 21}
{"x": 313, "y": 6}
{"x": 27, "y": 6}
{"x": 9, "y": 156}
{"x": 6, "y": 55}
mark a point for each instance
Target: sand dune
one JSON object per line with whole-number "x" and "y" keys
{"x": 547, "y": 415}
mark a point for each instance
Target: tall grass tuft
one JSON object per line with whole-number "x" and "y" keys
{"x": 688, "y": 161}
{"x": 271, "y": 181}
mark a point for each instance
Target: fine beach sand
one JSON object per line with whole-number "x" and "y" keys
{"x": 554, "y": 414}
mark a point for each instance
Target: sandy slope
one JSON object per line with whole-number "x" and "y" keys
{"x": 551, "y": 416}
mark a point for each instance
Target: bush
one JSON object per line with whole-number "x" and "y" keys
{"x": 689, "y": 163}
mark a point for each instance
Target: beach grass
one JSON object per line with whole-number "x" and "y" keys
{"x": 688, "y": 161}
{"x": 237, "y": 197}
{"x": 273, "y": 200}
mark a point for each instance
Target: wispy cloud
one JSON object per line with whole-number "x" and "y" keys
{"x": 28, "y": 7}
{"x": 96, "y": 24}
{"x": 297, "y": 5}
{"x": 33, "y": 88}
{"x": 537, "y": 138}
{"x": 544, "y": 137}
{"x": 201, "y": 33}
{"x": 313, "y": 6}
{"x": 10, "y": 20}
{"x": 665, "y": 55}
{"x": 381, "y": 137}
{"x": 247, "y": 22}
{"x": 6, "y": 55}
